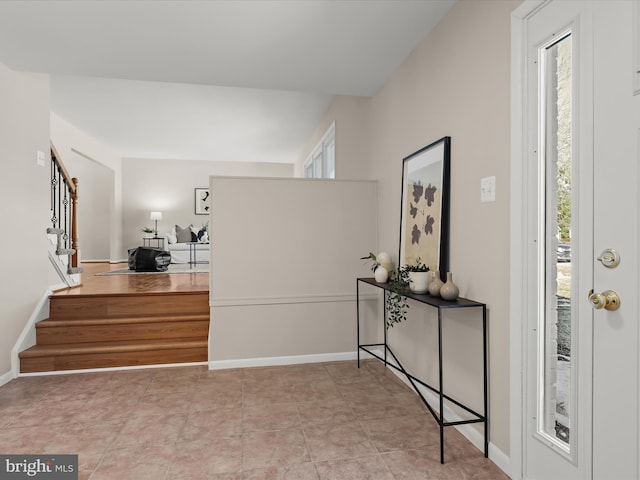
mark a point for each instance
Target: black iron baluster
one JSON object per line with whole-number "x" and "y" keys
{"x": 65, "y": 205}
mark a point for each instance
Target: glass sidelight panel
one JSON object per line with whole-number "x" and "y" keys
{"x": 555, "y": 322}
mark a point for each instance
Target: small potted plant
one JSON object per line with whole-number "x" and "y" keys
{"x": 147, "y": 230}
{"x": 380, "y": 273}
{"x": 419, "y": 276}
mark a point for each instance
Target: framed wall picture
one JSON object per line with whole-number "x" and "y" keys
{"x": 424, "y": 214}
{"x": 202, "y": 201}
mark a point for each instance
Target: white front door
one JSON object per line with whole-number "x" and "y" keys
{"x": 576, "y": 192}
{"x": 616, "y": 213}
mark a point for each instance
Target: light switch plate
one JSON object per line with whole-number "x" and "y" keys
{"x": 488, "y": 189}
{"x": 40, "y": 159}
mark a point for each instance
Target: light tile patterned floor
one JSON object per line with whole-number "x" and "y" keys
{"x": 328, "y": 421}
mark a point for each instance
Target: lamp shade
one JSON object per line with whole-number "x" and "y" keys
{"x": 156, "y": 216}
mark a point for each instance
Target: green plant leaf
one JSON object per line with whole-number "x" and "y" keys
{"x": 372, "y": 258}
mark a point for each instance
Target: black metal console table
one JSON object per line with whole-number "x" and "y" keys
{"x": 441, "y": 305}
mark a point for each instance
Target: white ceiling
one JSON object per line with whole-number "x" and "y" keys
{"x": 236, "y": 80}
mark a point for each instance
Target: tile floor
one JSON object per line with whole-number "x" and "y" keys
{"x": 316, "y": 421}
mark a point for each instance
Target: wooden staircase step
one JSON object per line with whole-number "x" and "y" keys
{"x": 45, "y": 358}
{"x": 108, "y": 347}
{"x": 52, "y": 332}
{"x": 119, "y": 305}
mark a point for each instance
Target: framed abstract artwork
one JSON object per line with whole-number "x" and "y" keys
{"x": 202, "y": 201}
{"x": 424, "y": 213}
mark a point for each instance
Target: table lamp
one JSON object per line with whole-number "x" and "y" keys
{"x": 156, "y": 216}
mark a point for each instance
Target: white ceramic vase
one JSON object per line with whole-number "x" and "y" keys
{"x": 381, "y": 274}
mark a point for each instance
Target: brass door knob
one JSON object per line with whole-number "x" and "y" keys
{"x": 609, "y": 300}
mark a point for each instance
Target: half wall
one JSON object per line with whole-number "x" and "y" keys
{"x": 285, "y": 254}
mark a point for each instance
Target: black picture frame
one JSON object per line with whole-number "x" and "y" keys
{"x": 202, "y": 201}
{"x": 424, "y": 208}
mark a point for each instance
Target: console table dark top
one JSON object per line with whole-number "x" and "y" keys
{"x": 424, "y": 297}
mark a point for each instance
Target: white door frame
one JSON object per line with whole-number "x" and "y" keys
{"x": 519, "y": 193}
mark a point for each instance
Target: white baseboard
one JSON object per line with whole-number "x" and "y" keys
{"x": 288, "y": 360}
{"x": 6, "y": 378}
{"x": 57, "y": 287}
{"x": 501, "y": 459}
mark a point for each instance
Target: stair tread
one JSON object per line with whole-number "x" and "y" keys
{"x": 142, "y": 295}
{"x": 53, "y": 323}
{"x": 111, "y": 347}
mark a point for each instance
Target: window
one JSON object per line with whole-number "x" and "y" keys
{"x": 556, "y": 320}
{"x": 321, "y": 163}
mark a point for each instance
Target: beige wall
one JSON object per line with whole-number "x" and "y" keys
{"x": 285, "y": 255}
{"x": 24, "y": 194}
{"x": 456, "y": 83}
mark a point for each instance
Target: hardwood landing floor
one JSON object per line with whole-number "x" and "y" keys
{"x": 119, "y": 284}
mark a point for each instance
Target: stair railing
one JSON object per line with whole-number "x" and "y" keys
{"x": 64, "y": 200}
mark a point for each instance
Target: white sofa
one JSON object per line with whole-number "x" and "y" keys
{"x": 180, "y": 250}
